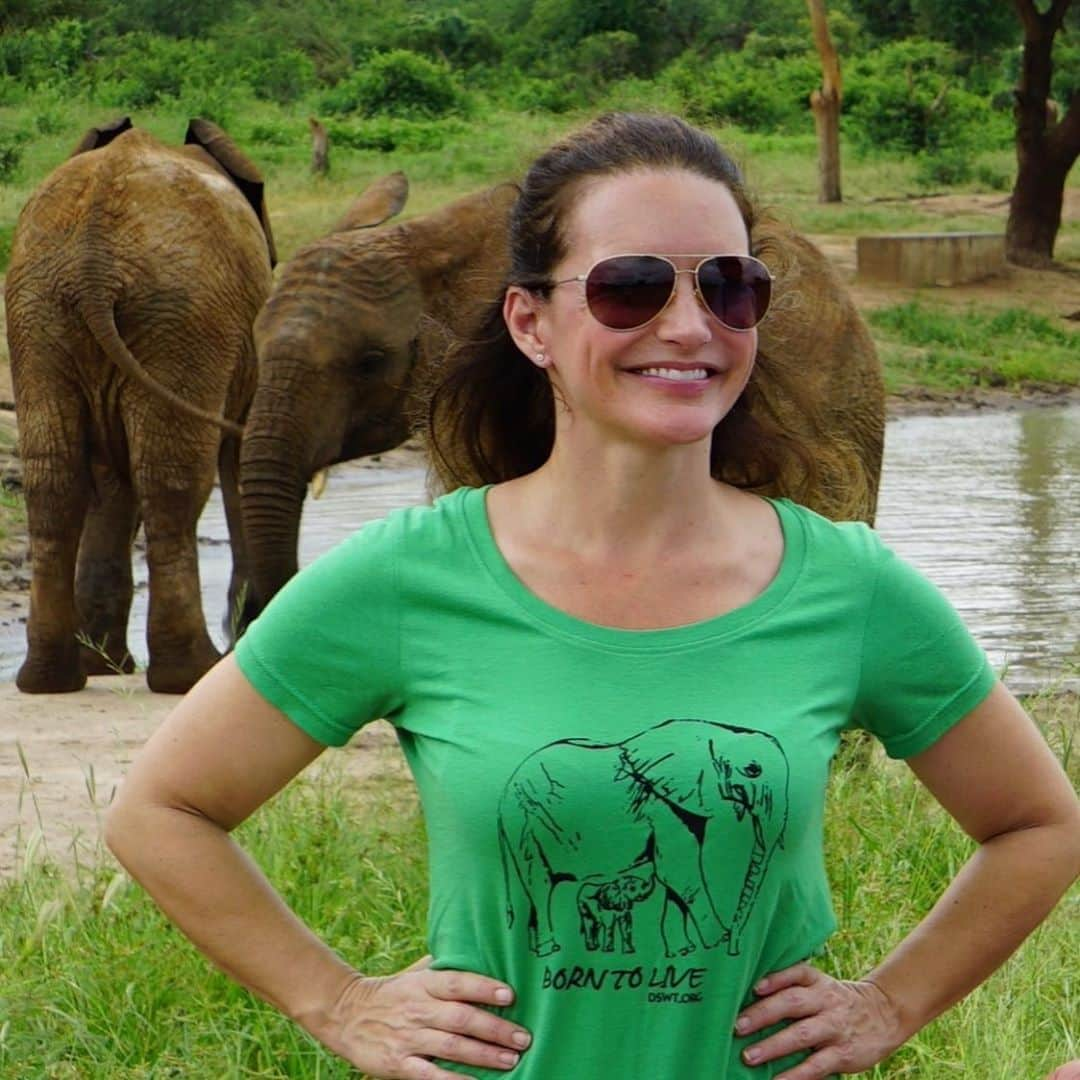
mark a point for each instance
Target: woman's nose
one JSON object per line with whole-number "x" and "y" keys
{"x": 685, "y": 320}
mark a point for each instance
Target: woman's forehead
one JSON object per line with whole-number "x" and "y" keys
{"x": 671, "y": 210}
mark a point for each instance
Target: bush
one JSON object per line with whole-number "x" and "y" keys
{"x": 141, "y": 70}
{"x": 385, "y": 134}
{"x": 449, "y": 36}
{"x": 608, "y": 56}
{"x": 944, "y": 168}
{"x": 11, "y": 152}
{"x": 759, "y": 94}
{"x": 905, "y": 97}
{"x": 53, "y": 52}
{"x": 397, "y": 83}
{"x": 560, "y": 94}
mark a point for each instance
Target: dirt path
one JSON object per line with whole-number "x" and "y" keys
{"x": 63, "y": 755}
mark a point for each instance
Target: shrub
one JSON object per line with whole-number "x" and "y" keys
{"x": 449, "y": 36}
{"x": 385, "y": 134}
{"x": 10, "y": 154}
{"x": 608, "y": 56}
{"x": 766, "y": 94}
{"x": 143, "y": 69}
{"x": 560, "y": 94}
{"x": 944, "y": 168}
{"x": 397, "y": 83}
{"x": 906, "y": 97}
{"x": 55, "y": 51}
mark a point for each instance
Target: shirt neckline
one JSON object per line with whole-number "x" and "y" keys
{"x": 726, "y": 625}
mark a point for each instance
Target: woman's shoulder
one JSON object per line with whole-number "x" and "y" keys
{"x": 851, "y": 543}
{"x": 427, "y": 527}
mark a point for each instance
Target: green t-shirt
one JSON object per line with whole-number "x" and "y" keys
{"x": 624, "y": 825}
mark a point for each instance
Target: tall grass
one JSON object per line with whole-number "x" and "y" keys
{"x": 95, "y": 983}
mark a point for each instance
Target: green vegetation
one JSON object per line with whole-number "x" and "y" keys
{"x": 946, "y": 350}
{"x": 96, "y": 983}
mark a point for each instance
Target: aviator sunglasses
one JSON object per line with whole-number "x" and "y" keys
{"x": 626, "y": 292}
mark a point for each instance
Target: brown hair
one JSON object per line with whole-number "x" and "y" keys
{"x": 491, "y": 417}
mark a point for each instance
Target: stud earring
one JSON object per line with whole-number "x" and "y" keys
{"x": 541, "y": 360}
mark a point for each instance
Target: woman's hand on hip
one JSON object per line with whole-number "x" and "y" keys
{"x": 846, "y": 1026}
{"x": 392, "y": 1027}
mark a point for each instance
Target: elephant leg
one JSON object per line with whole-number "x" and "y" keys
{"x": 172, "y": 484}
{"x": 679, "y": 867}
{"x": 53, "y": 440}
{"x": 673, "y": 929}
{"x": 241, "y": 602}
{"x": 103, "y": 578}
{"x": 589, "y": 925}
{"x": 540, "y": 889}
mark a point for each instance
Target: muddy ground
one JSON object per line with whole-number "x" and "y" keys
{"x": 61, "y": 756}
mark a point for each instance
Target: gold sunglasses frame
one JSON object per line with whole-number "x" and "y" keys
{"x": 702, "y": 260}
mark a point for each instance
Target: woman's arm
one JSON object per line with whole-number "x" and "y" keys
{"x": 219, "y": 755}
{"x": 997, "y": 777}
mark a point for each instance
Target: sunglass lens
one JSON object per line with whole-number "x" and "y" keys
{"x": 627, "y": 291}
{"x": 736, "y": 289}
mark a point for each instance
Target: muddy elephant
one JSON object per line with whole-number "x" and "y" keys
{"x": 600, "y": 813}
{"x": 359, "y": 321}
{"x": 136, "y": 272}
{"x": 355, "y": 320}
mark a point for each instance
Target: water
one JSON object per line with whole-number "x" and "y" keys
{"x": 986, "y": 505}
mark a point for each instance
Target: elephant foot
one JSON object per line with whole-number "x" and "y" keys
{"x": 57, "y": 677}
{"x": 180, "y": 675}
{"x": 100, "y": 660}
{"x": 548, "y": 948}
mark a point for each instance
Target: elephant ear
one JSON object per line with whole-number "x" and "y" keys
{"x": 444, "y": 241}
{"x": 379, "y": 202}
{"x": 98, "y": 137}
{"x": 243, "y": 171}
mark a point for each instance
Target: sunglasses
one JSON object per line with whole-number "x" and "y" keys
{"x": 626, "y": 292}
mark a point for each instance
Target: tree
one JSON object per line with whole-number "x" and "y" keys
{"x": 825, "y": 103}
{"x": 1046, "y": 147}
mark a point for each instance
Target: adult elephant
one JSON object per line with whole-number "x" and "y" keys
{"x": 136, "y": 272}
{"x": 355, "y": 321}
{"x": 578, "y": 811}
{"x": 357, "y": 326}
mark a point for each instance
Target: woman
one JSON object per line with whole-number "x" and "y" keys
{"x": 619, "y": 679}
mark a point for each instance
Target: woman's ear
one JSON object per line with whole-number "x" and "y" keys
{"x": 523, "y": 313}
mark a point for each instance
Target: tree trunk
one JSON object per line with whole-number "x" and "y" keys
{"x": 1045, "y": 149}
{"x": 825, "y": 104}
{"x": 320, "y": 147}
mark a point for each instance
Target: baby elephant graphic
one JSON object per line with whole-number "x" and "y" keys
{"x": 605, "y": 909}
{"x": 622, "y": 818}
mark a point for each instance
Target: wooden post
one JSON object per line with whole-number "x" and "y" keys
{"x": 825, "y": 103}
{"x": 320, "y": 148}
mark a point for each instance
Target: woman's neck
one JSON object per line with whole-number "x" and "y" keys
{"x": 619, "y": 499}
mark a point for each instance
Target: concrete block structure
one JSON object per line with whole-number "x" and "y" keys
{"x": 929, "y": 258}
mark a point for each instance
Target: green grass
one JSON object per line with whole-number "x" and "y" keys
{"x": 95, "y": 983}
{"x": 923, "y": 346}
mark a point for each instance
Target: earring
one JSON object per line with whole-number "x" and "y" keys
{"x": 541, "y": 360}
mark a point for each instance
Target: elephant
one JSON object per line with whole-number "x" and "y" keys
{"x": 354, "y": 320}
{"x": 605, "y": 909}
{"x": 358, "y": 323}
{"x": 137, "y": 270}
{"x": 600, "y": 813}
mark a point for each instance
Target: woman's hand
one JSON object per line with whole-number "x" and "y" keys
{"x": 848, "y": 1026}
{"x": 391, "y": 1027}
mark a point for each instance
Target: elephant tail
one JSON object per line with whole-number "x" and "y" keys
{"x": 101, "y": 322}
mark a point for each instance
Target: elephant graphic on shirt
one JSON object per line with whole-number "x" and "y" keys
{"x": 605, "y": 909}
{"x": 639, "y": 812}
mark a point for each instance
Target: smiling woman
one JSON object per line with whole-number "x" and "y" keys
{"x": 619, "y": 676}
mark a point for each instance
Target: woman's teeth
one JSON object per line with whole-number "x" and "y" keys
{"x": 675, "y": 373}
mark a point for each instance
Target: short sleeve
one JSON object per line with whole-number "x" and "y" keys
{"x": 921, "y": 670}
{"x": 326, "y": 650}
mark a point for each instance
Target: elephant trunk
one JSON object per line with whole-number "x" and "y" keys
{"x": 273, "y": 480}
{"x": 755, "y": 873}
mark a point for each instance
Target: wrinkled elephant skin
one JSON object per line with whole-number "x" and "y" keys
{"x": 353, "y": 323}
{"x": 136, "y": 272}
